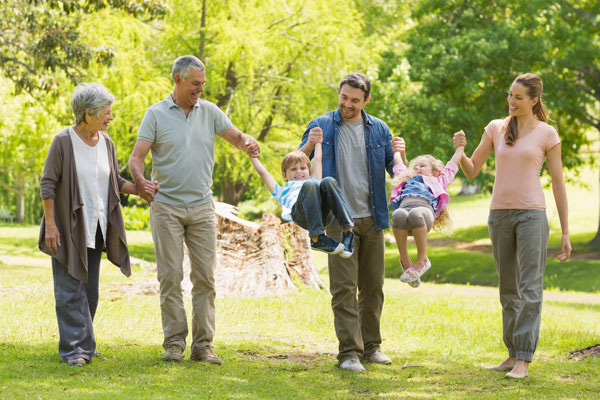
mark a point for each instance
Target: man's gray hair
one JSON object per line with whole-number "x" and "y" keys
{"x": 182, "y": 66}
{"x": 92, "y": 96}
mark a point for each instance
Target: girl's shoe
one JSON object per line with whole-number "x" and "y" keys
{"x": 414, "y": 284}
{"x": 412, "y": 274}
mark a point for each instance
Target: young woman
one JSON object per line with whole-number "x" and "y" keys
{"x": 517, "y": 222}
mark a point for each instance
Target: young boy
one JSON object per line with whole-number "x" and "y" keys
{"x": 311, "y": 202}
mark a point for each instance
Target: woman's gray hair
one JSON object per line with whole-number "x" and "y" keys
{"x": 92, "y": 96}
{"x": 182, "y": 66}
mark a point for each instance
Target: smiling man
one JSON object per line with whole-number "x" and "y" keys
{"x": 180, "y": 131}
{"x": 357, "y": 151}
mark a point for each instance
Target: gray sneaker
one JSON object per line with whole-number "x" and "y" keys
{"x": 206, "y": 354}
{"x": 377, "y": 357}
{"x": 352, "y": 364}
{"x": 174, "y": 353}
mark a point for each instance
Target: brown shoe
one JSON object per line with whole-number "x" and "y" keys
{"x": 205, "y": 354}
{"x": 174, "y": 353}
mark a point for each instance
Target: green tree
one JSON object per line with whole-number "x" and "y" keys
{"x": 25, "y": 131}
{"x": 41, "y": 40}
{"x": 462, "y": 56}
{"x": 44, "y": 51}
{"x": 271, "y": 66}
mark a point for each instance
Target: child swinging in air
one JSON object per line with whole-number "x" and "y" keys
{"x": 419, "y": 202}
{"x": 311, "y": 202}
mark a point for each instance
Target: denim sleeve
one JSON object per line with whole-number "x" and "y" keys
{"x": 389, "y": 154}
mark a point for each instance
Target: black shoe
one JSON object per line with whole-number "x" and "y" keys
{"x": 327, "y": 245}
{"x": 348, "y": 242}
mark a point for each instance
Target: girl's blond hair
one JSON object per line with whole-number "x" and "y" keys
{"x": 442, "y": 221}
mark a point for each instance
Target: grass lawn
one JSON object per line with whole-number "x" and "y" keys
{"x": 439, "y": 336}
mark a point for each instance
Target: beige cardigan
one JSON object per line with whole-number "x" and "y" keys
{"x": 59, "y": 182}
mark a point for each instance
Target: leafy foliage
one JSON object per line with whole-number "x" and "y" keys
{"x": 41, "y": 37}
{"x": 462, "y": 56}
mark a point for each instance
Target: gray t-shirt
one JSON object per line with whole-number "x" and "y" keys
{"x": 352, "y": 167}
{"x": 183, "y": 149}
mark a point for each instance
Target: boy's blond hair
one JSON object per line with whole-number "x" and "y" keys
{"x": 293, "y": 158}
{"x": 442, "y": 221}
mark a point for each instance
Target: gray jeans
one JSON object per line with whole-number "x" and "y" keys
{"x": 76, "y": 304}
{"x": 519, "y": 243}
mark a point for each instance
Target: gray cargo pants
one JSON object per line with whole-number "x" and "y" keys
{"x": 519, "y": 243}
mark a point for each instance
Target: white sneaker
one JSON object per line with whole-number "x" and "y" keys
{"x": 352, "y": 364}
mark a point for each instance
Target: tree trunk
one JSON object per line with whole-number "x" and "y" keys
{"x": 253, "y": 260}
{"x": 202, "y": 32}
{"x": 20, "y": 198}
{"x": 595, "y": 242}
{"x": 468, "y": 188}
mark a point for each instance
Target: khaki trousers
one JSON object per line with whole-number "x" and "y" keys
{"x": 519, "y": 243}
{"x": 172, "y": 225}
{"x": 357, "y": 318}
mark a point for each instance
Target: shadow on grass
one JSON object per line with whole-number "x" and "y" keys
{"x": 134, "y": 371}
{"x": 475, "y": 267}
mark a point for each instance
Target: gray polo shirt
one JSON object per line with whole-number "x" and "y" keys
{"x": 183, "y": 149}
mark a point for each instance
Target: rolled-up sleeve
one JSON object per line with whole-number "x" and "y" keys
{"x": 52, "y": 170}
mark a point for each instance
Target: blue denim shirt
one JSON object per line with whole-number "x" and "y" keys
{"x": 378, "y": 142}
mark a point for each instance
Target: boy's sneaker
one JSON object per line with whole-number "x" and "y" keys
{"x": 348, "y": 242}
{"x": 326, "y": 245}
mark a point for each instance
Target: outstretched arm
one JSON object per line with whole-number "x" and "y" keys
{"x": 458, "y": 155}
{"x": 560, "y": 198}
{"x": 472, "y": 166}
{"x": 399, "y": 146}
{"x": 242, "y": 141}
{"x": 317, "y": 165}
{"x": 264, "y": 174}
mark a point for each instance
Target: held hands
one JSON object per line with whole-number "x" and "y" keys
{"x": 147, "y": 189}
{"x": 315, "y": 135}
{"x": 251, "y": 147}
{"x": 52, "y": 237}
{"x": 565, "y": 248}
{"x": 459, "y": 139}
{"x": 398, "y": 145}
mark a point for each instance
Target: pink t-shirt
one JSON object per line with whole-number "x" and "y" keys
{"x": 518, "y": 167}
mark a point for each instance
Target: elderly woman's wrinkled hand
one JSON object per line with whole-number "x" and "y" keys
{"x": 52, "y": 237}
{"x": 147, "y": 189}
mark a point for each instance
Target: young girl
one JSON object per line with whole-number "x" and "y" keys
{"x": 419, "y": 202}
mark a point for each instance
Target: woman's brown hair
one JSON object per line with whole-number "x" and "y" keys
{"x": 535, "y": 88}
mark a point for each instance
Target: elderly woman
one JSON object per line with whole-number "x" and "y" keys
{"x": 82, "y": 217}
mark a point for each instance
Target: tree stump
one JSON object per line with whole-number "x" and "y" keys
{"x": 254, "y": 260}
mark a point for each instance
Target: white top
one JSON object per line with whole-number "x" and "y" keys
{"x": 93, "y": 176}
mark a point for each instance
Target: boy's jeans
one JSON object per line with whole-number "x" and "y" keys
{"x": 318, "y": 203}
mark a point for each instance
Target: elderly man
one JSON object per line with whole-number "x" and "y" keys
{"x": 357, "y": 150}
{"x": 180, "y": 131}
